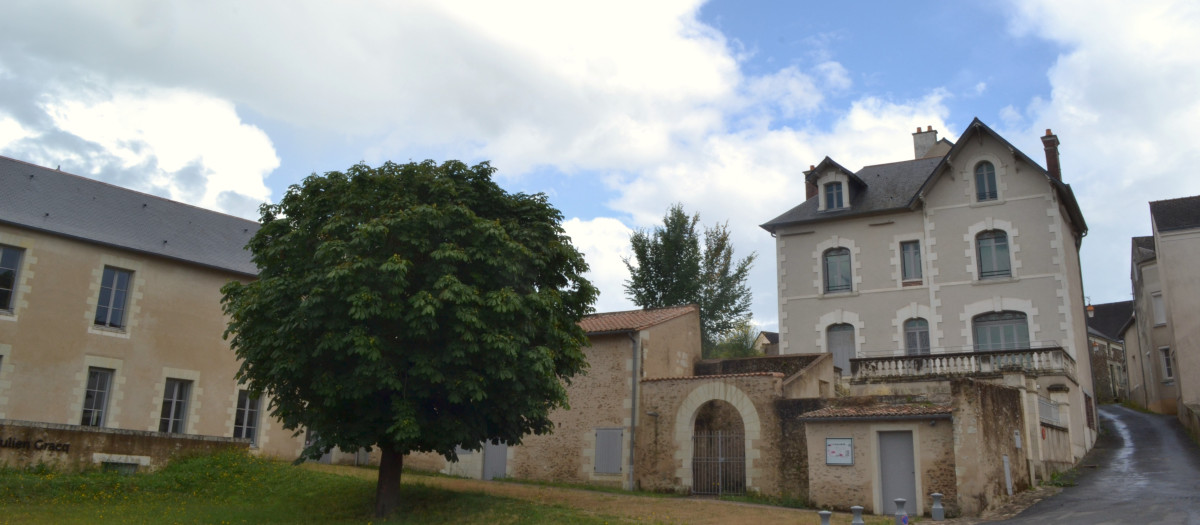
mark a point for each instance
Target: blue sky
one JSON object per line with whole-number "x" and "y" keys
{"x": 614, "y": 109}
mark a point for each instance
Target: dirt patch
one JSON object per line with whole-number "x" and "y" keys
{"x": 645, "y": 509}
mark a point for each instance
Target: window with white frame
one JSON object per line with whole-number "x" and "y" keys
{"x": 985, "y": 182}
{"x": 114, "y": 296}
{"x": 608, "y": 450}
{"x": 174, "y": 406}
{"x": 1160, "y": 311}
{"x": 916, "y": 336}
{"x": 991, "y": 247}
{"x": 910, "y": 260}
{"x": 10, "y": 263}
{"x": 833, "y": 196}
{"x": 95, "y": 396}
{"x": 1001, "y": 331}
{"x": 837, "y": 270}
{"x": 1168, "y": 370}
{"x": 245, "y": 419}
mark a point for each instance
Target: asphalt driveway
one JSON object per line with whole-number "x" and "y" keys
{"x": 1144, "y": 469}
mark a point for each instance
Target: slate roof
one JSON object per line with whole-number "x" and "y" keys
{"x": 59, "y": 203}
{"x": 1110, "y": 318}
{"x": 1143, "y": 249}
{"x": 878, "y": 411}
{"x": 633, "y": 320}
{"x": 772, "y": 337}
{"x": 889, "y": 187}
{"x": 896, "y": 186}
{"x": 1176, "y": 214}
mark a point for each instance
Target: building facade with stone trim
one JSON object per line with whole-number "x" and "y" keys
{"x": 1166, "y": 298}
{"x": 962, "y": 260}
{"x": 110, "y": 312}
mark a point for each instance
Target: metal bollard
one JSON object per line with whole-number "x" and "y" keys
{"x": 901, "y": 514}
{"x": 824, "y": 514}
{"x": 857, "y": 510}
{"x": 938, "y": 513}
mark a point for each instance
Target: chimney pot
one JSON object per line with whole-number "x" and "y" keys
{"x": 1050, "y": 142}
{"x": 918, "y": 129}
{"x": 811, "y": 167}
{"x": 1048, "y": 132}
{"x": 928, "y": 128}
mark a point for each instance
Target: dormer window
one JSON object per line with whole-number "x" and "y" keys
{"x": 985, "y": 182}
{"x": 833, "y": 196}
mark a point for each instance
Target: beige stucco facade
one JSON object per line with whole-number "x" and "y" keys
{"x": 1159, "y": 390}
{"x": 945, "y": 219}
{"x": 173, "y": 328}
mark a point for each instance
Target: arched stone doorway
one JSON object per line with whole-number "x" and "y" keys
{"x": 718, "y": 450}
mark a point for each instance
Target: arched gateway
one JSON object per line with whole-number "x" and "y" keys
{"x": 715, "y": 427}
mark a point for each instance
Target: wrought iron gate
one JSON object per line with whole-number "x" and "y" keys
{"x": 718, "y": 463}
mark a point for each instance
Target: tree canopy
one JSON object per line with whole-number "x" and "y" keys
{"x": 674, "y": 269}
{"x": 415, "y": 307}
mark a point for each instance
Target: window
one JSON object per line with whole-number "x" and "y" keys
{"x": 1160, "y": 313}
{"x": 174, "y": 407}
{"x": 992, "y": 248}
{"x": 985, "y": 182}
{"x": 840, "y": 339}
{"x": 245, "y": 419}
{"x": 1001, "y": 331}
{"x": 916, "y": 337}
{"x": 833, "y": 195}
{"x": 910, "y": 260}
{"x": 608, "y": 450}
{"x": 837, "y": 270}
{"x": 1168, "y": 370}
{"x": 95, "y": 397}
{"x": 10, "y": 261}
{"x": 114, "y": 291}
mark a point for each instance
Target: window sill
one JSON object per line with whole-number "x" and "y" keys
{"x": 831, "y": 295}
{"x": 984, "y": 204}
{"x": 995, "y": 280}
{"x": 102, "y": 328}
{"x": 913, "y": 282}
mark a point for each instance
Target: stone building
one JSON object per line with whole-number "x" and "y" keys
{"x": 1166, "y": 297}
{"x": 111, "y": 323}
{"x": 962, "y": 262}
{"x": 1106, "y": 341}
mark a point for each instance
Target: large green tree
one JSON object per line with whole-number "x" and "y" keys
{"x": 413, "y": 307}
{"x": 676, "y": 265}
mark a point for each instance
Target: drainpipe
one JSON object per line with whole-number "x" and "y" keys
{"x": 633, "y": 409}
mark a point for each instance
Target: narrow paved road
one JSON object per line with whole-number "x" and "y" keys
{"x": 1144, "y": 469}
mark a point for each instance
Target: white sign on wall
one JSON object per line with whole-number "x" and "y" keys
{"x": 839, "y": 451}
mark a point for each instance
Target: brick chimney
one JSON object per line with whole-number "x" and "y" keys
{"x": 923, "y": 141}
{"x": 810, "y": 187}
{"x": 1050, "y": 141}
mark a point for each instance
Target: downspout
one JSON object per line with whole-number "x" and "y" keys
{"x": 633, "y": 409}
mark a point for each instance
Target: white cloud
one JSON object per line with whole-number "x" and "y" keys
{"x": 1124, "y": 105}
{"x": 604, "y": 242}
{"x": 10, "y": 131}
{"x": 836, "y": 76}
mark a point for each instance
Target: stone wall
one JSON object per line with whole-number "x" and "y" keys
{"x": 793, "y": 453}
{"x": 987, "y": 421}
{"x": 784, "y": 364}
{"x": 74, "y": 448}
{"x": 668, "y": 417}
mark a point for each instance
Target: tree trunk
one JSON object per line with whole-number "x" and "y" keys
{"x": 387, "y": 488}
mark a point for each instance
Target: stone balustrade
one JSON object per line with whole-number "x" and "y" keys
{"x": 1046, "y": 360}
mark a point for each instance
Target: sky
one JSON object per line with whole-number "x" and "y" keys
{"x": 614, "y": 109}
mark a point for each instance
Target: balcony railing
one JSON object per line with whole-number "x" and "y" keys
{"x": 1042, "y": 358}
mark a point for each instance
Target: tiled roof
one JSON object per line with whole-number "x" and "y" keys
{"x": 63, "y": 204}
{"x": 632, "y": 320}
{"x": 1143, "y": 249}
{"x": 1176, "y": 214}
{"x": 772, "y": 337}
{"x": 693, "y": 378}
{"x": 877, "y": 411}
{"x": 1110, "y": 318}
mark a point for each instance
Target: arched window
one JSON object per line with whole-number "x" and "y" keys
{"x": 985, "y": 182}
{"x": 991, "y": 246}
{"x": 839, "y": 339}
{"x": 837, "y": 270}
{"x": 916, "y": 336}
{"x": 1001, "y": 331}
{"x": 833, "y": 196}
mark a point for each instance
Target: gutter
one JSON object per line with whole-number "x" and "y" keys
{"x": 633, "y": 409}
{"x": 846, "y": 419}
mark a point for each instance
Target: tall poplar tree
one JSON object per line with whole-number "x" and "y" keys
{"x": 674, "y": 264}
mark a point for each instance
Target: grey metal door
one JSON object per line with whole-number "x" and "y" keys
{"x": 495, "y": 461}
{"x": 897, "y": 471}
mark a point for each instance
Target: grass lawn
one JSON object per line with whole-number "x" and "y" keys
{"x": 234, "y": 487}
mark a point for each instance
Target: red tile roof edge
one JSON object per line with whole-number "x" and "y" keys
{"x": 633, "y": 320}
{"x": 720, "y": 376}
